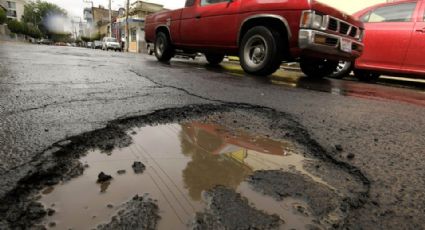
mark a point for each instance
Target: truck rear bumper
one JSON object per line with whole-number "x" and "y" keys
{"x": 317, "y": 43}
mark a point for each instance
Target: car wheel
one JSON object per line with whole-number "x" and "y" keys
{"x": 317, "y": 68}
{"x": 214, "y": 59}
{"x": 261, "y": 51}
{"x": 366, "y": 76}
{"x": 163, "y": 48}
{"x": 343, "y": 69}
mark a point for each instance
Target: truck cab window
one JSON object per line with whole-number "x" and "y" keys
{"x": 209, "y": 2}
{"x": 190, "y": 3}
{"x": 394, "y": 13}
{"x": 365, "y": 18}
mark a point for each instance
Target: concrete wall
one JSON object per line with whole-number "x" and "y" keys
{"x": 351, "y": 6}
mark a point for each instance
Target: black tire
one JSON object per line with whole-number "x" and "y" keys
{"x": 343, "y": 69}
{"x": 213, "y": 59}
{"x": 163, "y": 48}
{"x": 366, "y": 76}
{"x": 261, "y": 51}
{"x": 317, "y": 68}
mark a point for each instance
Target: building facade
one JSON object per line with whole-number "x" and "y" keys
{"x": 14, "y": 8}
{"x": 100, "y": 20}
{"x": 136, "y": 23}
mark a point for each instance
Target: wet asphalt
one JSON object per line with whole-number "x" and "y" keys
{"x": 48, "y": 94}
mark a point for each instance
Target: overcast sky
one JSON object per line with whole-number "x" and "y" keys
{"x": 75, "y": 7}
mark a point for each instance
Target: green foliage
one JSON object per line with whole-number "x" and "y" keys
{"x": 86, "y": 39}
{"x": 24, "y": 28}
{"x": 15, "y": 27}
{"x": 94, "y": 37}
{"x": 3, "y": 16}
{"x": 37, "y": 13}
{"x": 32, "y": 31}
{"x": 61, "y": 37}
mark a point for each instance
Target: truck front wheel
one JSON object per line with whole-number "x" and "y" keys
{"x": 261, "y": 51}
{"x": 163, "y": 48}
{"x": 318, "y": 68}
{"x": 214, "y": 59}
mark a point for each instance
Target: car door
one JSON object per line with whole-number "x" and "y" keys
{"x": 211, "y": 23}
{"x": 415, "y": 57}
{"x": 387, "y": 37}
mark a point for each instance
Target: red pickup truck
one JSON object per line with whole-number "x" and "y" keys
{"x": 263, "y": 33}
{"x": 394, "y": 41}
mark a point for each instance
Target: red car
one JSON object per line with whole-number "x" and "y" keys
{"x": 262, "y": 33}
{"x": 394, "y": 41}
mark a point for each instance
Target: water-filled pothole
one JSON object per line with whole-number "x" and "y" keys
{"x": 182, "y": 161}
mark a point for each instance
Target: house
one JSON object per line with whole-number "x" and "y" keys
{"x": 136, "y": 23}
{"x": 3, "y": 7}
{"x": 14, "y": 8}
{"x": 100, "y": 19}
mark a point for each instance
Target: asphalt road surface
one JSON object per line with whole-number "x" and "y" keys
{"x": 49, "y": 94}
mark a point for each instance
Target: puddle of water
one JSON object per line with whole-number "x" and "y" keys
{"x": 182, "y": 161}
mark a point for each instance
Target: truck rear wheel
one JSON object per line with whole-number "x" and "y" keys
{"x": 261, "y": 51}
{"x": 214, "y": 59}
{"x": 163, "y": 48}
{"x": 318, "y": 68}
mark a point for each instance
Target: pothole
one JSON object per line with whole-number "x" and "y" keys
{"x": 229, "y": 169}
{"x": 182, "y": 161}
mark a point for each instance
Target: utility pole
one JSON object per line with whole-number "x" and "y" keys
{"x": 127, "y": 29}
{"x": 110, "y": 19}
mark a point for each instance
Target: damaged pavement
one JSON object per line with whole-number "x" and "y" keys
{"x": 365, "y": 167}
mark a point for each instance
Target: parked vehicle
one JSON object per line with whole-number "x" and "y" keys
{"x": 89, "y": 44}
{"x": 261, "y": 33}
{"x": 109, "y": 43}
{"x": 97, "y": 45}
{"x": 394, "y": 41}
{"x": 45, "y": 41}
{"x": 150, "y": 48}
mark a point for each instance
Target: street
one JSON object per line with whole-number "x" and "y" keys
{"x": 365, "y": 142}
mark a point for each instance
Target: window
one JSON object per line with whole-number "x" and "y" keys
{"x": 189, "y": 3}
{"x": 365, "y": 18}
{"x": 111, "y": 39}
{"x": 11, "y": 9}
{"x": 394, "y": 13}
{"x": 133, "y": 35}
{"x": 209, "y": 2}
{"x": 424, "y": 17}
{"x": 11, "y": 5}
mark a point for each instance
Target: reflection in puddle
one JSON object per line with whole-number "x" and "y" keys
{"x": 181, "y": 162}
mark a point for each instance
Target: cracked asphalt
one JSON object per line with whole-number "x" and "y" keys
{"x": 48, "y": 94}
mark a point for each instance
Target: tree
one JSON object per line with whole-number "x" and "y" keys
{"x": 15, "y": 26}
{"x": 3, "y": 16}
{"x": 31, "y": 30}
{"x": 24, "y": 28}
{"x": 39, "y": 12}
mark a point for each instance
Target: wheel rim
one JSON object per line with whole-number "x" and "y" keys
{"x": 160, "y": 46}
{"x": 255, "y": 51}
{"x": 341, "y": 66}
